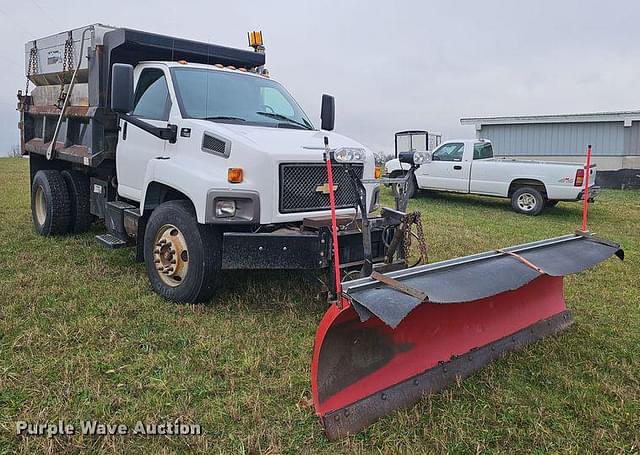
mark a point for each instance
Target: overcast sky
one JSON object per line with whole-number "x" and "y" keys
{"x": 390, "y": 65}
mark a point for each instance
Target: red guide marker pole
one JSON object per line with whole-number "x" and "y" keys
{"x": 334, "y": 223}
{"x": 585, "y": 203}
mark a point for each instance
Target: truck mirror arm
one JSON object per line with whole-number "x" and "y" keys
{"x": 170, "y": 133}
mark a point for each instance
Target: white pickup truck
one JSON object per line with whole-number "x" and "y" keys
{"x": 468, "y": 166}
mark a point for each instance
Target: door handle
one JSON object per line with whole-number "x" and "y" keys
{"x": 457, "y": 167}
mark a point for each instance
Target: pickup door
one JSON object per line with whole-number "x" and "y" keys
{"x": 488, "y": 176}
{"x": 448, "y": 171}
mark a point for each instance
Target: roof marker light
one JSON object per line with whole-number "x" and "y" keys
{"x": 255, "y": 39}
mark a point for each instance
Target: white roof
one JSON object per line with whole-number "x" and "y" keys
{"x": 614, "y": 116}
{"x": 226, "y": 69}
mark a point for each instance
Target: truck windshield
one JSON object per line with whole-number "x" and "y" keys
{"x": 236, "y": 98}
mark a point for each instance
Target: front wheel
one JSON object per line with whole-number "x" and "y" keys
{"x": 527, "y": 200}
{"x": 183, "y": 257}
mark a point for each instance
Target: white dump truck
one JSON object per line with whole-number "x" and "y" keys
{"x": 188, "y": 151}
{"x": 468, "y": 166}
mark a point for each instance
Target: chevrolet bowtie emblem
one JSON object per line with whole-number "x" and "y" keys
{"x": 324, "y": 189}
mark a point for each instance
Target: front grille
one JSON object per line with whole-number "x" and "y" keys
{"x": 300, "y": 192}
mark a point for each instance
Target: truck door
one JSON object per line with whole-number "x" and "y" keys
{"x": 136, "y": 147}
{"x": 448, "y": 171}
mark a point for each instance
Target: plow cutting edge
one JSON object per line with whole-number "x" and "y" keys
{"x": 397, "y": 336}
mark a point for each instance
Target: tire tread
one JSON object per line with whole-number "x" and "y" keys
{"x": 78, "y": 186}
{"x": 58, "y": 219}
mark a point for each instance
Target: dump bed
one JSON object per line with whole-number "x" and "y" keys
{"x": 88, "y": 133}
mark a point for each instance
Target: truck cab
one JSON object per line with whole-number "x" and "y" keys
{"x": 226, "y": 121}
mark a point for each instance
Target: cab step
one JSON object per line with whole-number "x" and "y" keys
{"x": 111, "y": 241}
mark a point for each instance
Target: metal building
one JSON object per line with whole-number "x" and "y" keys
{"x": 614, "y": 137}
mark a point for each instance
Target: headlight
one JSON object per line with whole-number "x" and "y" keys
{"x": 225, "y": 209}
{"x": 349, "y": 155}
{"x": 421, "y": 158}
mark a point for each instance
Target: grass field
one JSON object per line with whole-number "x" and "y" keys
{"x": 83, "y": 337}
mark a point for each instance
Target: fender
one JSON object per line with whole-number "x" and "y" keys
{"x": 185, "y": 175}
{"x": 525, "y": 179}
{"x": 395, "y": 165}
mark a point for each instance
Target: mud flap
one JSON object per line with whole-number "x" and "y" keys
{"x": 383, "y": 348}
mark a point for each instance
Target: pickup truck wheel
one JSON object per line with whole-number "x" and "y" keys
{"x": 527, "y": 200}
{"x": 183, "y": 257}
{"x": 78, "y": 187}
{"x": 50, "y": 203}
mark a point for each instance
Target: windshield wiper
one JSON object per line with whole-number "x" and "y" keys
{"x": 305, "y": 125}
{"x": 224, "y": 117}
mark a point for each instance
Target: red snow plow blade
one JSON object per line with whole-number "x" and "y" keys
{"x": 395, "y": 337}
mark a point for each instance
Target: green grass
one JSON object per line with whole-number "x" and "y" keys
{"x": 82, "y": 336}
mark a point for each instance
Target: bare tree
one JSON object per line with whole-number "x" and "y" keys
{"x": 15, "y": 151}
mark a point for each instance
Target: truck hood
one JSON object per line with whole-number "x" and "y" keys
{"x": 279, "y": 141}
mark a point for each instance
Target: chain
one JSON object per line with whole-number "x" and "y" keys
{"x": 410, "y": 220}
{"x": 422, "y": 242}
{"x": 32, "y": 67}
{"x": 67, "y": 65}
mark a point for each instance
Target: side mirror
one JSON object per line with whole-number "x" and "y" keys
{"x": 122, "y": 88}
{"x": 328, "y": 112}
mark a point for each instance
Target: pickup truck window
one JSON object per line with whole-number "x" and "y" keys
{"x": 449, "y": 152}
{"x": 228, "y": 97}
{"x": 482, "y": 151}
{"x": 151, "y": 100}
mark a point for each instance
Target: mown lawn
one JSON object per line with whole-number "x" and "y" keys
{"x": 83, "y": 337}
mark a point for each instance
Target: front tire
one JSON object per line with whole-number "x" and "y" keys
{"x": 50, "y": 203}
{"x": 183, "y": 257}
{"x": 527, "y": 200}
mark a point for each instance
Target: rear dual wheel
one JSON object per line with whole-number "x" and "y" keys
{"x": 79, "y": 197}
{"x": 60, "y": 202}
{"x": 182, "y": 257}
{"x": 50, "y": 203}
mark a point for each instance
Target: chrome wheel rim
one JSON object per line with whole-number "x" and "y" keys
{"x": 171, "y": 255}
{"x": 526, "y": 202}
{"x": 41, "y": 206}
